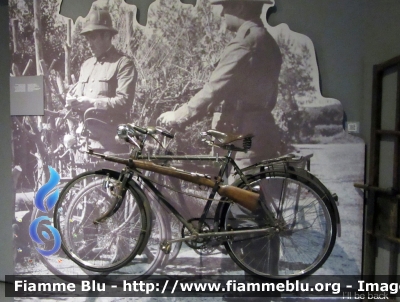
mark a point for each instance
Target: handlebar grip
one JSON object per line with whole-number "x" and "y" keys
{"x": 166, "y": 133}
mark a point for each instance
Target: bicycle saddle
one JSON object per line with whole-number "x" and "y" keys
{"x": 225, "y": 140}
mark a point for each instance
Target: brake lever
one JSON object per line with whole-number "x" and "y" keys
{"x": 151, "y": 135}
{"x": 133, "y": 141}
{"x": 164, "y": 132}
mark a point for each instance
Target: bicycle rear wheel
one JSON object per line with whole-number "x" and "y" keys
{"x": 108, "y": 245}
{"x": 302, "y": 222}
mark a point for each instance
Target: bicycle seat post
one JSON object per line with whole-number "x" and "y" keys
{"x": 225, "y": 166}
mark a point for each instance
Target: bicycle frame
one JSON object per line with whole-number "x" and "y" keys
{"x": 243, "y": 197}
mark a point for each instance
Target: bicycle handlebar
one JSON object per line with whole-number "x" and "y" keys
{"x": 127, "y": 132}
{"x": 138, "y": 129}
{"x": 132, "y": 128}
{"x": 165, "y": 132}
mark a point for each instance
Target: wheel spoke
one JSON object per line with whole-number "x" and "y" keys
{"x": 107, "y": 245}
{"x": 305, "y": 232}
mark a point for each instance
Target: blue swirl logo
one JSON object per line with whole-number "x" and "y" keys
{"x": 44, "y": 205}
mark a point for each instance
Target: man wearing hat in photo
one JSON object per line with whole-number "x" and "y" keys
{"x": 243, "y": 88}
{"x": 106, "y": 86}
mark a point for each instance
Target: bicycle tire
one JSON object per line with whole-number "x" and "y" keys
{"x": 106, "y": 246}
{"x": 305, "y": 235}
{"x": 149, "y": 261}
{"x": 58, "y": 263}
{"x": 175, "y": 232}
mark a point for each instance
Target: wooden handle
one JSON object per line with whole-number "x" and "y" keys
{"x": 247, "y": 199}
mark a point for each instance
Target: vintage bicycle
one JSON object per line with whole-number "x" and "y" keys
{"x": 275, "y": 220}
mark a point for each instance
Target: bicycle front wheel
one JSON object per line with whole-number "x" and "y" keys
{"x": 57, "y": 263}
{"x": 104, "y": 246}
{"x": 302, "y": 224}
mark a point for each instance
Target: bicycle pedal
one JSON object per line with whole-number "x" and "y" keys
{"x": 165, "y": 246}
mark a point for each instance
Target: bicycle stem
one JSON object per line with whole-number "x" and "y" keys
{"x": 247, "y": 199}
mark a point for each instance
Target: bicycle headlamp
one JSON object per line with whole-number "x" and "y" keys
{"x": 126, "y": 132}
{"x": 122, "y": 132}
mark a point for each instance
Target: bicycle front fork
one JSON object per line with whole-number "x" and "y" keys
{"x": 118, "y": 190}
